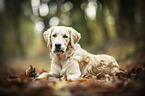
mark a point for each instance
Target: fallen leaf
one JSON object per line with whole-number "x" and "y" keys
{"x": 43, "y": 71}
{"x": 30, "y": 72}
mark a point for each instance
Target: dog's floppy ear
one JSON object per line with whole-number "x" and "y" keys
{"x": 47, "y": 36}
{"x": 74, "y": 36}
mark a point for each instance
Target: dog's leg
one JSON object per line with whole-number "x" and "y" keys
{"x": 72, "y": 70}
{"x": 105, "y": 64}
{"x": 43, "y": 75}
{"x": 55, "y": 70}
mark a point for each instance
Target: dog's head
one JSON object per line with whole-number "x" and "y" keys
{"x": 59, "y": 38}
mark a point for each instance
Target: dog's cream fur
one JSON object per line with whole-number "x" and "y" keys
{"x": 74, "y": 61}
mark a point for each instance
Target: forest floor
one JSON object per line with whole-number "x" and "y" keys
{"x": 127, "y": 82}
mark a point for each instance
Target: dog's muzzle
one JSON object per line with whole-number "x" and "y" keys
{"x": 58, "y": 48}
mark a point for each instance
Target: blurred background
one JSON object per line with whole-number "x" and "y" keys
{"x": 114, "y": 27}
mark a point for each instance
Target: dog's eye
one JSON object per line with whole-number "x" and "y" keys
{"x": 65, "y": 36}
{"x": 54, "y": 35}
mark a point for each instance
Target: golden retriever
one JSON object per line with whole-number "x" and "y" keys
{"x": 68, "y": 58}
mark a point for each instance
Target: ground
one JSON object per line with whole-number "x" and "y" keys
{"x": 130, "y": 82}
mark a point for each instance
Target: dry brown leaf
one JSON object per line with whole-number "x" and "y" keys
{"x": 30, "y": 72}
{"x": 42, "y": 71}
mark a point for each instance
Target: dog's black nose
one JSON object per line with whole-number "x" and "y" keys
{"x": 57, "y": 45}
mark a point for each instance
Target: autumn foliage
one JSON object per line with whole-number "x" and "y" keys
{"x": 129, "y": 82}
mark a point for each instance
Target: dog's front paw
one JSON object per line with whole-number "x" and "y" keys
{"x": 72, "y": 77}
{"x": 43, "y": 76}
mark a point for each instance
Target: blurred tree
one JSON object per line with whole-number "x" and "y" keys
{"x": 101, "y": 17}
{"x": 78, "y": 17}
{"x": 11, "y": 35}
{"x": 14, "y": 11}
{"x": 131, "y": 18}
{"x": 139, "y": 30}
{"x": 125, "y": 17}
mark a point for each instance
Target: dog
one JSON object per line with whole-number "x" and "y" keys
{"x": 69, "y": 59}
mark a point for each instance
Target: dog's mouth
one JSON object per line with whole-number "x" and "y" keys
{"x": 58, "y": 51}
